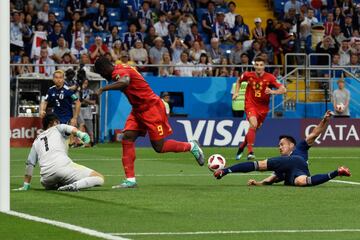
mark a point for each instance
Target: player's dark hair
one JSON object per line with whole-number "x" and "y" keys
{"x": 259, "y": 59}
{"x": 289, "y": 138}
{"x": 104, "y": 67}
{"x": 49, "y": 119}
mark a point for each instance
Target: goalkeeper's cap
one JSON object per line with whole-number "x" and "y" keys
{"x": 49, "y": 119}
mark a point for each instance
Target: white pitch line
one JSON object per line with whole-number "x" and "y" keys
{"x": 162, "y": 159}
{"x": 345, "y": 182}
{"x": 239, "y": 232}
{"x": 68, "y": 226}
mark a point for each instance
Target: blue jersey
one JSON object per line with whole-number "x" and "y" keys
{"x": 61, "y": 100}
{"x": 287, "y": 168}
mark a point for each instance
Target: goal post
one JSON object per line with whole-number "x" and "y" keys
{"x": 5, "y": 106}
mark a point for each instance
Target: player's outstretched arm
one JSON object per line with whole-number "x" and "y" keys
{"x": 118, "y": 85}
{"x": 280, "y": 90}
{"x": 319, "y": 129}
{"x": 30, "y": 164}
{"x": 267, "y": 181}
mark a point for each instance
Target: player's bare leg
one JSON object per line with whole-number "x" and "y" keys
{"x": 128, "y": 159}
{"x": 163, "y": 146}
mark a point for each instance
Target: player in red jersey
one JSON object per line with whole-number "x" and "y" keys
{"x": 257, "y": 98}
{"x": 148, "y": 115}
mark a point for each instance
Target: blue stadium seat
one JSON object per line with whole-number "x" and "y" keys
{"x": 279, "y": 6}
{"x": 59, "y": 12}
{"x": 200, "y": 12}
{"x": 92, "y": 10}
{"x": 122, "y": 25}
{"x": 65, "y": 24}
{"x": 114, "y": 14}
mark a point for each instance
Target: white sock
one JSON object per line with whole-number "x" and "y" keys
{"x": 89, "y": 182}
{"x": 132, "y": 179}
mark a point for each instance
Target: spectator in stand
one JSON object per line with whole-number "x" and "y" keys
{"x": 329, "y": 24}
{"x": 55, "y": 35}
{"x": 177, "y": 48}
{"x": 230, "y": 16}
{"x": 76, "y": 30}
{"x": 43, "y": 15}
{"x": 60, "y": 50}
{"x": 292, "y": 4}
{"x": 66, "y": 59}
{"x": 30, "y": 10}
{"x": 240, "y": 31}
{"x": 78, "y": 50}
{"x": 24, "y": 69}
{"x": 208, "y": 18}
{"x": 323, "y": 14}
{"x": 161, "y": 27}
{"x": 338, "y": 16}
{"x": 133, "y": 7}
{"x": 101, "y": 20}
{"x": 131, "y": 36}
{"x": 235, "y": 55}
{"x": 51, "y": 22}
{"x": 196, "y": 51}
{"x": 185, "y": 22}
{"x": 193, "y": 36}
{"x": 150, "y": 37}
{"x": 76, "y": 6}
{"x": 348, "y": 28}
{"x": 171, "y": 8}
{"x": 139, "y": 55}
{"x": 255, "y": 50}
{"x": 184, "y": 68}
{"x": 215, "y": 52}
{"x": 337, "y": 35}
{"x": 346, "y": 6}
{"x": 305, "y": 41}
{"x": 293, "y": 19}
{"x": 171, "y": 37}
{"x": 156, "y": 52}
{"x": 335, "y": 63}
{"x": 341, "y": 100}
{"x": 48, "y": 68}
{"x": 166, "y": 71}
{"x": 258, "y": 32}
{"x": 114, "y": 35}
{"x": 144, "y": 16}
{"x": 221, "y": 29}
{"x": 116, "y": 50}
{"x": 187, "y": 6}
{"x": 327, "y": 45}
{"x": 43, "y": 45}
{"x": 97, "y": 49}
{"x": 345, "y": 52}
{"x": 354, "y": 63}
{"x": 310, "y": 19}
{"x": 204, "y": 66}
{"x": 17, "y": 31}
{"x": 124, "y": 59}
{"x": 245, "y": 61}
{"x": 38, "y": 4}
{"x": 223, "y": 71}
{"x": 356, "y": 17}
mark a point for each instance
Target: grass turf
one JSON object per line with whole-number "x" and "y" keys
{"x": 175, "y": 195}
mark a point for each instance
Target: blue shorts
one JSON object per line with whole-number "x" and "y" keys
{"x": 288, "y": 168}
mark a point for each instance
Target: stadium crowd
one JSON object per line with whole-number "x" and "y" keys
{"x": 201, "y": 35}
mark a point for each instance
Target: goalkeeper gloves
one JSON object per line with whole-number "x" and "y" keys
{"x": 83, "y": 136}
{"x": 25, "y": 187}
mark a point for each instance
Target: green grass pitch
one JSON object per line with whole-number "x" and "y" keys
{"x": 176, "y": 195}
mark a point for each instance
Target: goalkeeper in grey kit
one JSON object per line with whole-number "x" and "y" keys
{"x": 57, "y": 170}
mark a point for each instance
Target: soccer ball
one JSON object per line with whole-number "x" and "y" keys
{"x": 340, "y": 107}
{"x": 216, "y": 162}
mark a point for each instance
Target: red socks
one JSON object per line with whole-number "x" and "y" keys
{"x": 128, "y": 158}
{"x": 250, "y": 136}
{"x": 175, "y": 146}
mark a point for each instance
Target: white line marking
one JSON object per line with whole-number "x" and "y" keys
{"x": 179, "y": 159}
{"x": 68, "y": 226}
{"x": 239, "y": 232}
{"x": 345, "y": 182}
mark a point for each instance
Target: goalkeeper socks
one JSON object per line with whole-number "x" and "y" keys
{"x": 88, "y": 182}
{"x": 175, "y": 146}
{"x": 251, "y": 139}
{"x": 243, "y": 167}
{"x": 321, "y": 178}
{"x": 128, "y": 158}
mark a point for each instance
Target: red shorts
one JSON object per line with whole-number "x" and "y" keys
{"x": 260, "y": 114}
{"x": 152, "y": 120}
